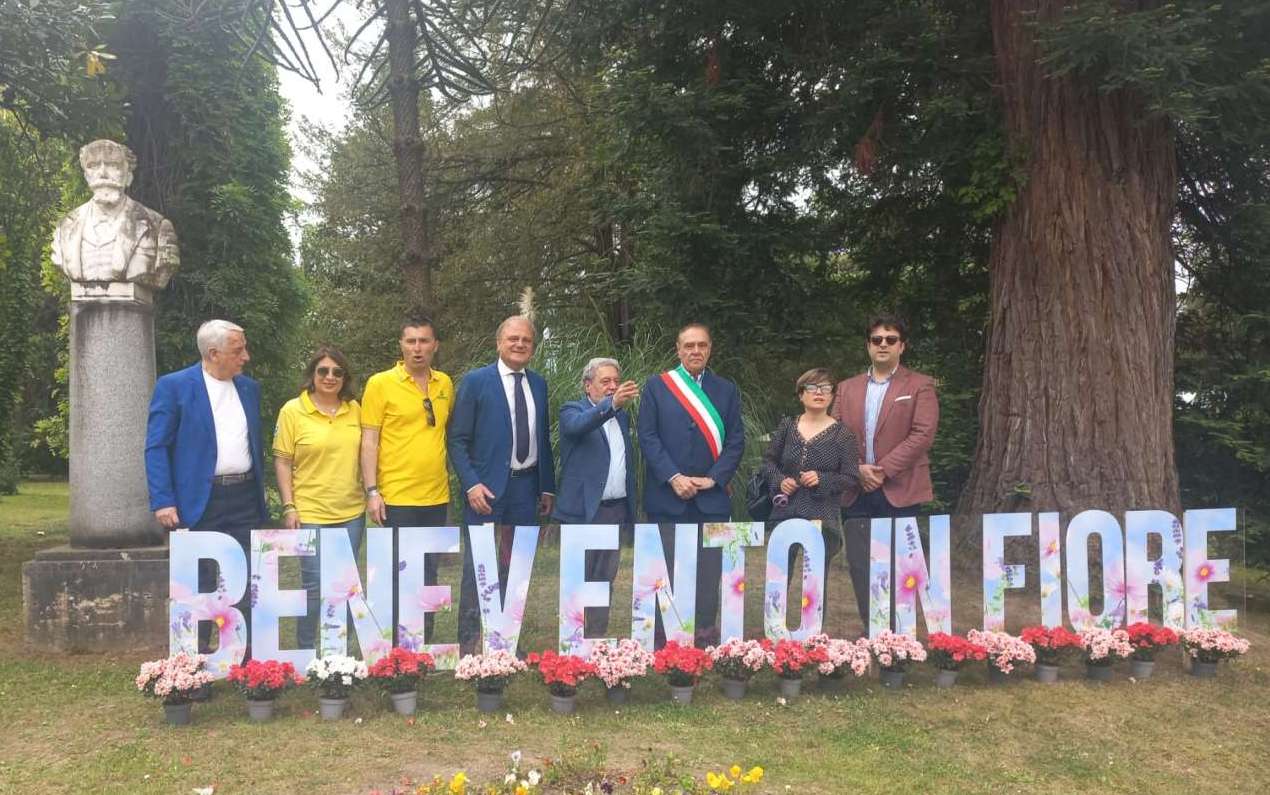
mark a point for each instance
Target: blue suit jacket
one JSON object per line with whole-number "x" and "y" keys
{"x": 479, "y": 439}
{"x": 671, "y": 442}
{"x": 584, "y": 459}
{"x": 181, "y": 443}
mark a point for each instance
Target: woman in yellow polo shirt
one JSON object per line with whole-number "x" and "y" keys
{"x": 315, "y": 448}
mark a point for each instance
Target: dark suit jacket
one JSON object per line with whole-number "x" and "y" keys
{"x": 671, "y": 442}
{"x": 479, "y": 439}
{"x": 584, "y": 459}
{"x": 906, "y": 429}
{"x": 181, "y": 443}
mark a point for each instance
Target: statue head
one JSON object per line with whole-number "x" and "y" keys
{"x": 108, "y": 168}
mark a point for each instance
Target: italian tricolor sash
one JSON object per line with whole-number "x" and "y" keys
{"x": 695, "y": 401}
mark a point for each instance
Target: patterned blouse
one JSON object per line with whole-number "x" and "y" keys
{"x": 833, "y": 454}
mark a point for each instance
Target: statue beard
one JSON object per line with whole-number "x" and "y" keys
{"x": 107, "y": 194}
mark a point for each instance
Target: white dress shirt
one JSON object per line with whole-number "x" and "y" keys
{"x": 233, "y": 452}
{"x": 509, "y": 386}
{"x": 615, "y": 486}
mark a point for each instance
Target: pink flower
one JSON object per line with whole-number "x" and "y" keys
{"x": 911, "y": 577}
{"x": 736, "y": 584}
{"x": 1205, "y": 571}
{"x": 811, "y": 598}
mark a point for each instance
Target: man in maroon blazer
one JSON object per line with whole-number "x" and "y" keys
{"x": 893, "y": 412}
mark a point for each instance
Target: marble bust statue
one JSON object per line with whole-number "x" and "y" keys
{"x": 112, "y": 238}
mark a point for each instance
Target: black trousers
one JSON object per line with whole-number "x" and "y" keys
{"x": 855, "y": 526}
{"x": 709, "y": 575}
{"x": 399, "y": 516}
{"x": 601, "y": 566}
{"x": 232, "y": 510}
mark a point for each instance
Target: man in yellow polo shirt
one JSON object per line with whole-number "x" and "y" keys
{"x": 404, "y": 413}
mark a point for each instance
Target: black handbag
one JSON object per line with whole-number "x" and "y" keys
{"x": 758, "y": 498}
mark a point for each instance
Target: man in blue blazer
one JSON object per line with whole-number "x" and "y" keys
{"x": 499, "y": 442}
{"x": 597, "y": 472}
{"x": 692, "y": 438}
{"x": 204, "y": 455}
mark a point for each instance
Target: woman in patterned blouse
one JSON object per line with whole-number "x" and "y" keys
{"x": 809, "y": 461}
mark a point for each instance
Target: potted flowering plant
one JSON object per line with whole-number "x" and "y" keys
{"x": 616, "y": 664}
{"x": 1051, "y": 645}
{"x": 491, "y": 672}
{"x": 682, "y": 667}
{"x": 174, "y": 679}
{"x": 335, "y": 676}
{"x": 262, "y": 681}
{"x": 1004, "y": 652}
{"x": 561, "y": 673}
{"x": 736, "y": 661}
{"x": 789, "y": 659}
{"x": 833, "y": 657}
{"x": 893, "y": 653}
{"x": 1207, "y": 647}
{"x": 1103, "y": 647}
{"x": 949, "y": 653}
{"x": 399, "y": 674}
{"x": 1146, "y": 639}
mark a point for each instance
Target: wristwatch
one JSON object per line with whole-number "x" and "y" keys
{"x": 371, "y": 491}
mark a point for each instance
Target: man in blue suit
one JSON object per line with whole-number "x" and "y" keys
{"x": 204, "y": 454}
{"x": 597, "y": 473}
{"x": 499, "y": 442}
{"x": 692, "y": 438}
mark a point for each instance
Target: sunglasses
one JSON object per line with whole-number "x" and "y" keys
{"x": 337, "y": 372}
{"x": 890, "y": 339}
{"x": 818, "y": 389}
{"x": 432, "y": 415}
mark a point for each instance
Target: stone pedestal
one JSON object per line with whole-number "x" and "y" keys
{"x": 93, "y": 600}
{"x": 111, "y": 380}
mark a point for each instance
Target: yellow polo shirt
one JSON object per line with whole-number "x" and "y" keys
{"x": 411, "y": 452}
{"x": 325, "y": 464}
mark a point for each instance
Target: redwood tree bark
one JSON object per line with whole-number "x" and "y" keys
{"x": 407, "y": 149}
{"x": 1076, "y": 409}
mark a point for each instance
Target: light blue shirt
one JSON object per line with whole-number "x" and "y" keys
{"x": 873, "y": 397}
{"x": 615, "y": 486}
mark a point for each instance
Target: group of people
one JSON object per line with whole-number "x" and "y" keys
{"x": 857, "y": 450}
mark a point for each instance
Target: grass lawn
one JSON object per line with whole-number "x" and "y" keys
{"x": 76, "y": 724}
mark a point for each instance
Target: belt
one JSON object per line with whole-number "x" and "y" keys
{"x": 229, "y": 480}
{"x": 612, "y": 502}
{"x": 524, "y": 473}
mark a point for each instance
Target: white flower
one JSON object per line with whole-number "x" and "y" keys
{"x": 509, "y": 778}
{"x": 510, "y": 719}
{"x": 516, "y": 758}
{"x": 534, "y": 778}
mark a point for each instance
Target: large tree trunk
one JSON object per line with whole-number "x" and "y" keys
{"x": 407, "y": 149}
{"x": 1076, "y": 410}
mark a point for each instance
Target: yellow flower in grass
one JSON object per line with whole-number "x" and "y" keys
{"x": 458, "y": 784}
{"x": 735, "y": 771}
{"x": 521, "y": 789}
{"x": 754, "y": 776}
{"x": 718, "y": 781}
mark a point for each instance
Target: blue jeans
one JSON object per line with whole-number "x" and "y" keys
{"x": 310, "y": 579}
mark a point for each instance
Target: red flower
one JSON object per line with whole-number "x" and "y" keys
{"x": 561, "y": 673}
{"x": 400, "y": 670}
{"x": 1050, "y": 643}
{"x": 262, "y": 680}
{"x": 791, "y": 658}
{"x": 1146, "y": 639}
{"x": 948, "y": 652}
{"x": 682, "y": 665}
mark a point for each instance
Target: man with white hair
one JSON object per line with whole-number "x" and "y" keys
{"x": 597, "y": 472}
{"x": 204, "y": 455}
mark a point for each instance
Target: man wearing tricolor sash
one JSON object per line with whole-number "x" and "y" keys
{"x": 691, "y": 436}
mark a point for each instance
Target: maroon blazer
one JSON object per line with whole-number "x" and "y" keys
{"x": 904, "y": 434}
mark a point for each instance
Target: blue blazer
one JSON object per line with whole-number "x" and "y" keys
{"x": 181, "y": 443}
{"x": 479, "y": 439}
{"x": 584, "y": 459}
{"x": 671, "y": 442}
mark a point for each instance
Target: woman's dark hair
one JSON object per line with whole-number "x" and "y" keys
{"x": 816, "y": 375}
{"x": 330, "y": 352}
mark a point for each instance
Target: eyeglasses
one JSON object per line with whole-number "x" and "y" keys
{"x": 818, "y": 389}
{"x": 337, "y": 372}
{"x": 432, "y": 415}
{"x": 890, "y": 339}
